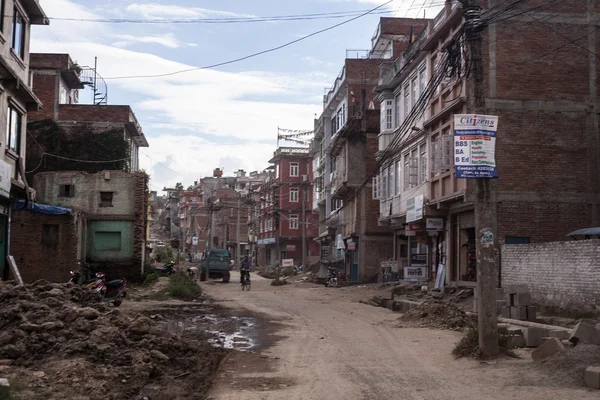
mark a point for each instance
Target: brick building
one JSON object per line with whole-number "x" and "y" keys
{"x": 547, "y": 148}
{"x": 112, "y": 227}
{"x": 344, "y": 151}
{"x": 16, "y": 101}
{"x": 285, "y": 210}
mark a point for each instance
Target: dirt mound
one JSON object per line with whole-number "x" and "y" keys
{"x": 90, "y": 349}
{"x": 438, "y": 315}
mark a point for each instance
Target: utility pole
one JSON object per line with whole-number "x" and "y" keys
{"x": 304, "y": 196}
{"x": 210, "y": 239}
{"x": 237, "y": 232}
{"x": 277, "y": 248}
{"x": 484, "y": 216}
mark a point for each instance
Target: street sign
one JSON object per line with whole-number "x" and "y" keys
{"x": 475, "y": 146}
{"x": 287, "y": 262}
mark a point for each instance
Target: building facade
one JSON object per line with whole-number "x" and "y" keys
{"x": 547, "y": 147}
{"x": 286, "y": 224}
{"x": 16, "y": 100}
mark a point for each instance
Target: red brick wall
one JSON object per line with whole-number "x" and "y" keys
{"x": 401, "y": 26}
{"x": 44, "y": 87}
{"x": 52, "y": 263}
{"x": 362, "y": 69}
{"x": 84, "y": 112}
{"x": 48, "y": 61}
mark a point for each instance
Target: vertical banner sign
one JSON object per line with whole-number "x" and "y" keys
{"x": 475, "y": 146}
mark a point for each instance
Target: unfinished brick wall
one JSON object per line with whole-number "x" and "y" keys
{"x": 560, "y": 274}
{"x": 51, "y": 258}
{"x": 139, "y": 225}
{"x": 45, "y": 87}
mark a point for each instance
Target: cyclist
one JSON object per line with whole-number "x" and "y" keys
{"x": 245, "y": 267}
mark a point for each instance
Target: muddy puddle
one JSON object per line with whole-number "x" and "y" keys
{"x": 225, "y": 331}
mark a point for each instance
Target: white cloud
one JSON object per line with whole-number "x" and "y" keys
{"x": 201, "y": 119}
{"x": 167, "y": 40}
{"x": 161, "y": 11}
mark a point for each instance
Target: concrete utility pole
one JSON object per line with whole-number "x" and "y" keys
{"x": 210, "y": 239}
{"x": 484, "y": 216}
{"x": 237, "y": 232}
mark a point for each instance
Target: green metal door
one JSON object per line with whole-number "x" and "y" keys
{"x": 110, "y": 241}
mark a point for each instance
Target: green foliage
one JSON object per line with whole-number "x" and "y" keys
{"x": 164, "y": 254}
{"x": 86, "y": 144}
{"x": 288, "y": 271}
{"x": 180, "y": 287}
{"x": 150, "y": 277}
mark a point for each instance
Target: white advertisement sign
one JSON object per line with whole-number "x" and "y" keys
{"x": 435, "y": 224}
{"x": 475, "y": 146}
{"x": 5, "y": 173}
{"x": 415, "y": 273}
{"x": 414, "y": 208}
{"x": 287, "y": 262}
{"x": 195, "y": 241}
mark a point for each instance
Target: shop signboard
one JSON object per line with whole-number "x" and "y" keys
{"x": 418, "y": 258}
{"x": 351, "y": 245}
{"x": 5, "y": 173}
{"x": 414, "y": 208}
{"x": 415, "y": 273}
{"x": 435, "y": 224}
{"x": 194, "y": 240}
{"x": 475, "y": 146}
{"x": 266, "y": 241}
{"x": 287, "y": 262}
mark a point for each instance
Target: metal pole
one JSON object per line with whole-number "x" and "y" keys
{"x": 484, "y": 213}
{"x": 237, "y": 232}
{"x": 210, "y": 240}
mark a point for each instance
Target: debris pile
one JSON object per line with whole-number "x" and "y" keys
{"x": 436, "y": 314}
{"x": 91, "y": 349}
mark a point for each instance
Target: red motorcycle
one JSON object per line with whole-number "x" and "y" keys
{"x": 112, "y": 291}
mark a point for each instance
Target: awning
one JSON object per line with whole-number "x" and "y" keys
{"x": 40, "y": 208}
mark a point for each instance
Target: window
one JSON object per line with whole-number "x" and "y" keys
{"x": 107, "y": 241}
{"x": 384, "y": 184}
{"x": 517, "y": 240}
{"x": 423, "y": 80}
{"x": 294, "y": 195}
{"x": 389, "y": 115}
{"x": 50, "y": 235}
{"x": 344, "y": 112}
{"x": 262, "y": 226}
{"x": 406, "y": 101}
{"x": 398, "y": 110}
{"x": 13, "y": 129}
{"x": 375, "y": 188}
{"x": 441, "y": 153}
{"x": 18, "y": 34}
{"x": 397, "y": 177}
{"x": 293, "y": 221}
{"x": 67, "y": 191}
{"x": 294, "y": 169}
{"x": 423, "y": 165}
{"x": 106, "y": 199}
{"x": 414, "y": 169}
{"x": 2, "y": 15}
{"x": 390, "y": 178}
{"x": 406, "y": 172}
{"x": 415, "y": 91}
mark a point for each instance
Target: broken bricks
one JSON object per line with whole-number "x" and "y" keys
{"x": 592, "y": 377}
{"x": 586, "y": 333}
{"x": 547, "y": 349}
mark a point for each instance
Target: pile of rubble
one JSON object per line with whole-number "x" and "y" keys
{"x": 54, "y": 345}
{"x": 436, "y": 314}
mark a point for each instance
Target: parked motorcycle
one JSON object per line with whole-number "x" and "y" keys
{"x": 167, "y": 269}
{"x": 332, "y": 278}
{"x": 112, "y": 291}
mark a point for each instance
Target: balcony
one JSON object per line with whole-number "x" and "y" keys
{"x": 369, "y": 54}
{"x": 331, "y": 93}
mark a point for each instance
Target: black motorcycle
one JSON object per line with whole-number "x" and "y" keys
{"x": 332, "y": 278}
{"x": 167, "y": 269}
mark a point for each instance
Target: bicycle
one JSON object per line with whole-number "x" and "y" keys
{"x": 245, "y": 283}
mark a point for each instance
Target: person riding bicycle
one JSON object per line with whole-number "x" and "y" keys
{"x": 245, "y": 267}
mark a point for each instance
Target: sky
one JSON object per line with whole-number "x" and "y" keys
{"x": 226, "y": 117}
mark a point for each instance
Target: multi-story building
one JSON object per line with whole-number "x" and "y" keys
{"x": 344, "y": 147}
{"x": 16, "y": 100}
{"x": 547, "y": 147}
{"x": 285, "y": 217}
{"x": 190, "y": 205}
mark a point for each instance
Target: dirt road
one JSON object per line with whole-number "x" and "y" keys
{"x": 325, "y": 345}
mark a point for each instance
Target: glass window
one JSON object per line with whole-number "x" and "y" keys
{"x": 423, "y": 80}
{"x": 390, "y": 184}
{"x": 294, "y": 195}
{"x": 415, "y": 91}
{"x": 406, "y": 172}
{"x": 423, "y": 163}
{"x": 397, "y": 177}
{"x": 398, "y": 110}
{"x": 18, "y": 34}
{"x": 106, "y": 199}
{"x": 13, "y": 129}
{"x": 294, "y": 221}
{"x": 294, "y": 168}
{"x": 406, "y": 101}
{"x": 389, "y": 115}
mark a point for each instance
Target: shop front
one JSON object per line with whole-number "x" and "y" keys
{"x": 464, "y": 251}
{"x": 352, "y": 269}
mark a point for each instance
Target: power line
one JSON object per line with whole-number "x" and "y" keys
{"x": 258, "y": 53}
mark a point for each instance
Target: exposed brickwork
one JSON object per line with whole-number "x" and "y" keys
{"x": 49, "y": 61}
{"x": 85, "y": 112}
{"x": 50, "y": 260}
{"x": 557, "y": 274}
{"x": 45, "y": 90}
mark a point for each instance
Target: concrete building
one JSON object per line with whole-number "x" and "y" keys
{"x": 344, "y": 147}
{"x": 111, "y": 209}
{"x": 74, "y": 130}
{"x": 285, "y": 209}
{"x": 16, "y": 101}
{"x": 547, "y": 148}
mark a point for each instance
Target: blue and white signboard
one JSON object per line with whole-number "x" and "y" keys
{"x": 475, "y": 146}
